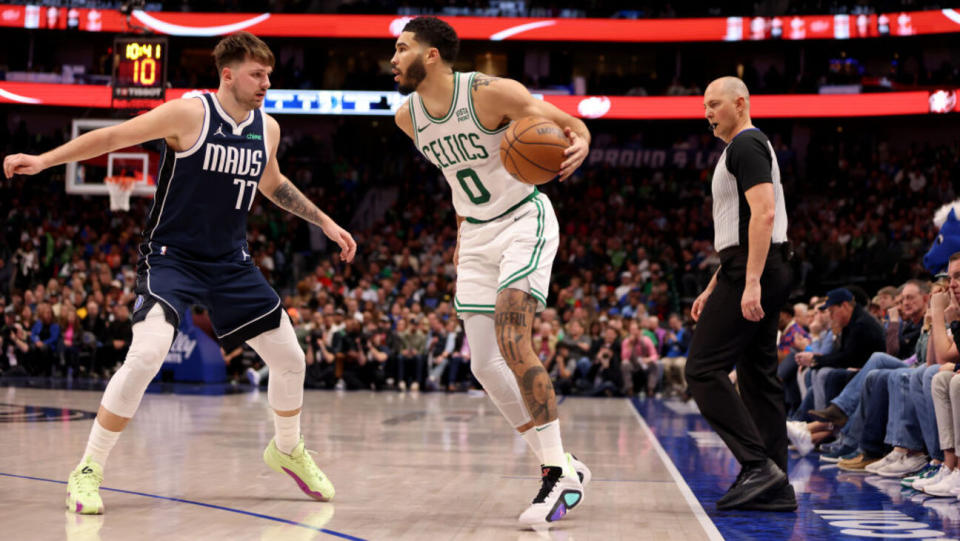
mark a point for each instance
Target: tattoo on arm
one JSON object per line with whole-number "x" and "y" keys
{"x": 289, "y": 198}
{"x": 483, "y": 80}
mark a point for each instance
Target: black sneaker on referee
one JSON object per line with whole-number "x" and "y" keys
{"x": 753, "y": 481}
{"x": 782, "y": 499}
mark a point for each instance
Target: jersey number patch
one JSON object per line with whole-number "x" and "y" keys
{"x": 243, "y": 184}
{"x": 482, "y": 195}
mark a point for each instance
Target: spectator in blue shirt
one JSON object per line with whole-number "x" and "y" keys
{"x": 676, "y": 343}
{"x": 44, "y": 338}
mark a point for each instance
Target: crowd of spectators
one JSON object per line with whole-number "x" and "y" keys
{"x": 635, "y": 250}
{"x": 871, "y": 381}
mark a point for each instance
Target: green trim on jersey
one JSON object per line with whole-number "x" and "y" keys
{"x": 539, "y": 296}
{"x": 473, "y": 112}
{"x": 525, "y": 200}
{"x": 416, "y": 134}
{"x": 534, "y": 257}
{"x": 453, "y": 102}
{"x": 477, "y": 308}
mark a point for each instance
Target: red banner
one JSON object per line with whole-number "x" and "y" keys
{"x": 616, "y": 107}
{"x": 489, "y": 28}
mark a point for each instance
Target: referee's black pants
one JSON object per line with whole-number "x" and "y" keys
{"x": 752, "y": 423}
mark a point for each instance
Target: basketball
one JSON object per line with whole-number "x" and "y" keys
{"x": 532, "y": 149}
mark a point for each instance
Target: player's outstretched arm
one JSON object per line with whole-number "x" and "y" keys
{"x": 499, "y": 98}
{"x": 168, "y": 121}
{"x": 278, "y": 188}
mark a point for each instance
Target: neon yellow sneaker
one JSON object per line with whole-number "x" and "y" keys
{"x": 300, "y": 465}
{"x": 83, "y": 488}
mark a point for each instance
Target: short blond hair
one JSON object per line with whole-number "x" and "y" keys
{"x": 239, "y": 47}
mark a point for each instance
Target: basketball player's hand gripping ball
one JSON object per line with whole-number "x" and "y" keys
{"x": 536, "y": 150}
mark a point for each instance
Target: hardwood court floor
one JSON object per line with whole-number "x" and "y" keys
{"x": 405, "y": 466}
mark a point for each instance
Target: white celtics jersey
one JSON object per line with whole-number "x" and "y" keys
{"x": 468, "y": 154}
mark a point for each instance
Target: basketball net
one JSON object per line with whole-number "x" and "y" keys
{"x": 120, "y": 188}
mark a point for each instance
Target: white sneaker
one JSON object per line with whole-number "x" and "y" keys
{"x": 402, "y": 386}
{"x": 415, "y": 386}
{"x": 945, "y": 486}
{"x": 890, "y": 458}
{"x": 583, "y": 472}
{"x": 558, "y": 494}
{"x": 944, "y": 471}
{"x": 906, "y": 465}
{"x": 800, "y": 437}
{"x": 340, "y": 385}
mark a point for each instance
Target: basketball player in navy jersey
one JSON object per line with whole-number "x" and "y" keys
{"x": 219, "y": 150}
{"x": 507, "y": 236}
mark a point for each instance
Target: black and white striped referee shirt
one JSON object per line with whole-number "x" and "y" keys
{"x": 748, "y": 160}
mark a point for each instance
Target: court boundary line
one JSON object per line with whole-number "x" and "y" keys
{"x": 201, "y": 504}
{"x": 699, "y": 512}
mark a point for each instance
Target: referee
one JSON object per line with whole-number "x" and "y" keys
{"x": 737, "y": 314}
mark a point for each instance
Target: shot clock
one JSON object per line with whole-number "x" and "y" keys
{"x": 139, "y": 68}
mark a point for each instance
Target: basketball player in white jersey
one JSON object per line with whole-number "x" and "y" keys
{"x": 507, "y": 238}
{"x": 194, "y": 250}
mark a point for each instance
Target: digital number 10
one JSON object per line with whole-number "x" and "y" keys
{"x": 145, "y": 71}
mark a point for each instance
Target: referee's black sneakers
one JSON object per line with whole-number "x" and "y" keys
{"x": 782, "y": 499}
{"x": 751, "y": 483}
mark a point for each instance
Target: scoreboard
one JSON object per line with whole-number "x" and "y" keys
{"x": 139, "y": 68}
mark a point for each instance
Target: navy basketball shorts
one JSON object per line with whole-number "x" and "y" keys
{"x": 241, "y": 303}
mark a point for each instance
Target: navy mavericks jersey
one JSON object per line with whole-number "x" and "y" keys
{"x": 205, "y": 191}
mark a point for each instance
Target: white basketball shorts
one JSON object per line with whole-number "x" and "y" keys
{"x": 515, "y": 250}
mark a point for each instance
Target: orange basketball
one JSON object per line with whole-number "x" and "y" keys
{"x": 532, "y": 149}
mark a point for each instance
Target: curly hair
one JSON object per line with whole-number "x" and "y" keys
{"x": 433, "y": 32}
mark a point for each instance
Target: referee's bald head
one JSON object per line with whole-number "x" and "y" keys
{"x": 731, "y": 88}
{"x": 726, "y": 104}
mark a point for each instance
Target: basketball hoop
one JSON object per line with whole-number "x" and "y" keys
{"x": 120, "y": 189}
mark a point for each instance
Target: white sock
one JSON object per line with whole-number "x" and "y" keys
{"x": 530, "y": 436}
{"x": 287, "y": 432}
{"x": 100, "y": 443}
{"x": 551, "y": 447}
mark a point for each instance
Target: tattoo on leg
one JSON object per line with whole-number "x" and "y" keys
{"x": 538, "y": 394}
{"x": 511, "y": 318}
{"x": 513, "y": 323}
